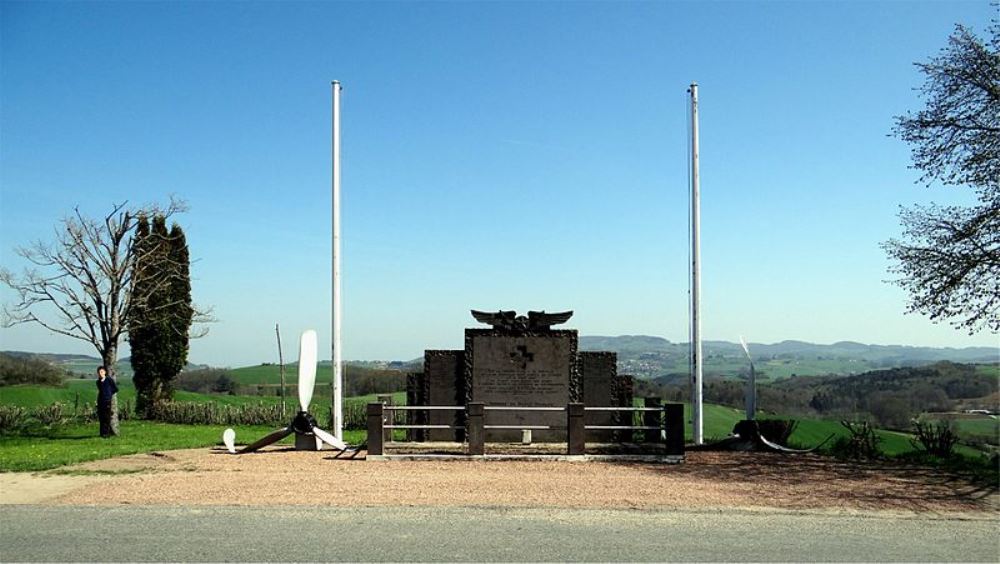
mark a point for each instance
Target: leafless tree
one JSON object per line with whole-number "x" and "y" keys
{"x": 949, "y": 256}
{"x": 81, "y": 286}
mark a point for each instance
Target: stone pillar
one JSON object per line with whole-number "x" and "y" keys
{"x": 477, "y": 434}
{"x": 673, "y": 420}
{"x": 651, "y": 419}
{"x": 576, "y": 434}
{"x": 375, "y": 413}
{"x": 388, "y": 416}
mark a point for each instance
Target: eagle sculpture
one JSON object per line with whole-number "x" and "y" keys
{"x": 510, "y": 321}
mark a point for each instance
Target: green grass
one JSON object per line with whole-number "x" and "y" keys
{"x": 989, "y": 369}
{"x": 50, "y": 448}
{"x": 718, "y": 422}
{"x": 29, "y": 396}
{"x": 71, "y": 444}
{"x": 972, "y": 427}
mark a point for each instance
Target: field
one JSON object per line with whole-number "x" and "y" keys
{"x": 975, "y": 427}
{"x": 69, "y": 443}
{"x": 718, "y": 422}
{"x": 86, "y": 392}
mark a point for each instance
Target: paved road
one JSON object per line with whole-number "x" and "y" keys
{"x": 364, "y": 534}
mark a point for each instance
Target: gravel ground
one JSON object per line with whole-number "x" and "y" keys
{"x": 706, "y": 480}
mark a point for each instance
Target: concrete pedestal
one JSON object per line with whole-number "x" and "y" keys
{"x": 307, "y": 442}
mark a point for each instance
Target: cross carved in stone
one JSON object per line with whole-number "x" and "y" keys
{"x": 522, "y": 355}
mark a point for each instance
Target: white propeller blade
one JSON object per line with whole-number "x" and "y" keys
{"x": 329, "y": 439}
{"x": 307, "y": 368}
{"x": 229, "y": 439}
{"x": 746, "y": 349}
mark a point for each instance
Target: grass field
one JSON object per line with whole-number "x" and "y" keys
{"x": 49, "y": 448}
{"x": 973, "y": 426}
{"x": 31, "y": 395}
{"x": 70, "y": 444}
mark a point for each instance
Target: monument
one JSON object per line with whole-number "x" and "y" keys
{"x": 520, "y": 361}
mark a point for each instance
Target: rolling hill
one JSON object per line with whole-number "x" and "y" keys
{"x": 651, "y": 357}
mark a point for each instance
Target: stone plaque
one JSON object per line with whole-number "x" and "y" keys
{"x": 599, "y": 370}
{"x": 524, "y": 370}
{"x": 444, "y": 371}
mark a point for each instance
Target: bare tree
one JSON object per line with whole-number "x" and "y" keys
{"x": 949, "y": 256}
{"x": 81, "y": 286}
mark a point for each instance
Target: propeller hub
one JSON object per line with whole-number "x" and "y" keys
{"x": 303, "y": 423}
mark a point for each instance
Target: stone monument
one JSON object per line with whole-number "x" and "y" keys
{"x": 520, "y": 361}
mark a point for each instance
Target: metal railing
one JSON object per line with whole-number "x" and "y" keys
{"x": 660, "y": 423}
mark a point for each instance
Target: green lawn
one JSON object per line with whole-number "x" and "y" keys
{"x": 75, "y": 443}
{"x": 49, "y": 448}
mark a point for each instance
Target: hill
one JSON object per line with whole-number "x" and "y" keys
{"x": 653, "y": 357}
{"x": 81, "y": 365}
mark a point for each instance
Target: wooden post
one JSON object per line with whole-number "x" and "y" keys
{"x": 673, "y": 420}
{"x": 281, "y": 369}
{"x": 651, "y": 419}
{"x": 477, "y": 434}
{"x": 576, "y": 434}
{"x": 375, "y": 412}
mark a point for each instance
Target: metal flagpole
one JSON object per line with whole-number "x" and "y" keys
{"x": 696, "y": 376}
{"x": 336, "y": 358}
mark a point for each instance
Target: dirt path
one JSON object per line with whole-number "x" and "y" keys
{"x": 706, "y": 480}
{"x": 23, "y": 487}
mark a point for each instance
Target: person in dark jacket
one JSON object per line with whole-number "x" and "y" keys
{"x": 106, "y": 390}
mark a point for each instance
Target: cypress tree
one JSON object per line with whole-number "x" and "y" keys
{"x": 180, "y": 309}
{"x": 149, "y": 330}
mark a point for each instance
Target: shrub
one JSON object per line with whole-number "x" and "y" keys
{"x": 937, "y": 438}
{"x": 28, "y": 370}
{"x": 861, "y": 444}
{"x": 207, "y": 380}
{"x": 777, "y": 430}
{"x": 51, "y": 414}
{"x": 356, "y": 416}
{"x": 12, "y": 418}
{"x": 190, "y": 413}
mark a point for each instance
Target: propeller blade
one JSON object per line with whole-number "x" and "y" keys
{"x": 272, "y": 438}
{"x": 329, "y": 439}
{"x": 307, "y": 367}
{"x": 746, "y": 349}
{"x": 229, "y": 439}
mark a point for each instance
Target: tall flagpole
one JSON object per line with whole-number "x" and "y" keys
{"x": 336, "y": 358}
{"x": 696, "y": 364}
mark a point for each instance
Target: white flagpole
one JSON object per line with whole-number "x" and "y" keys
{"x": 696, "y": 377}
{"x": 336, "y": 358}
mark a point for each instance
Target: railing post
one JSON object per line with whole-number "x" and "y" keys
{"x": 673, "y": 420}
{"x": 388, "y": 416}
{"x": 576, "y": 433}
{"x": 477, "y": 434}
{"x": 651, "y": 419}
{"x": 375, "y": 428}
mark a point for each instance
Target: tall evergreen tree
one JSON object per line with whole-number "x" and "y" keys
{"x": 153, "y": 273}
{"x": 161, "y": 328}
{"x": 181, "y": 310}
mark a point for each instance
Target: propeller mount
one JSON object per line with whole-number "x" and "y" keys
{"x": 304, "y": 424}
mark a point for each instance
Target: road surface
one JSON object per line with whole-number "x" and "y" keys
{"x": 163, "y": 533}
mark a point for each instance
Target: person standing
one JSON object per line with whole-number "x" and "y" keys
{"x": 106, "y": 390}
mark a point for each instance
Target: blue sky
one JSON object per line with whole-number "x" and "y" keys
{"x": 495, "y": 155}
